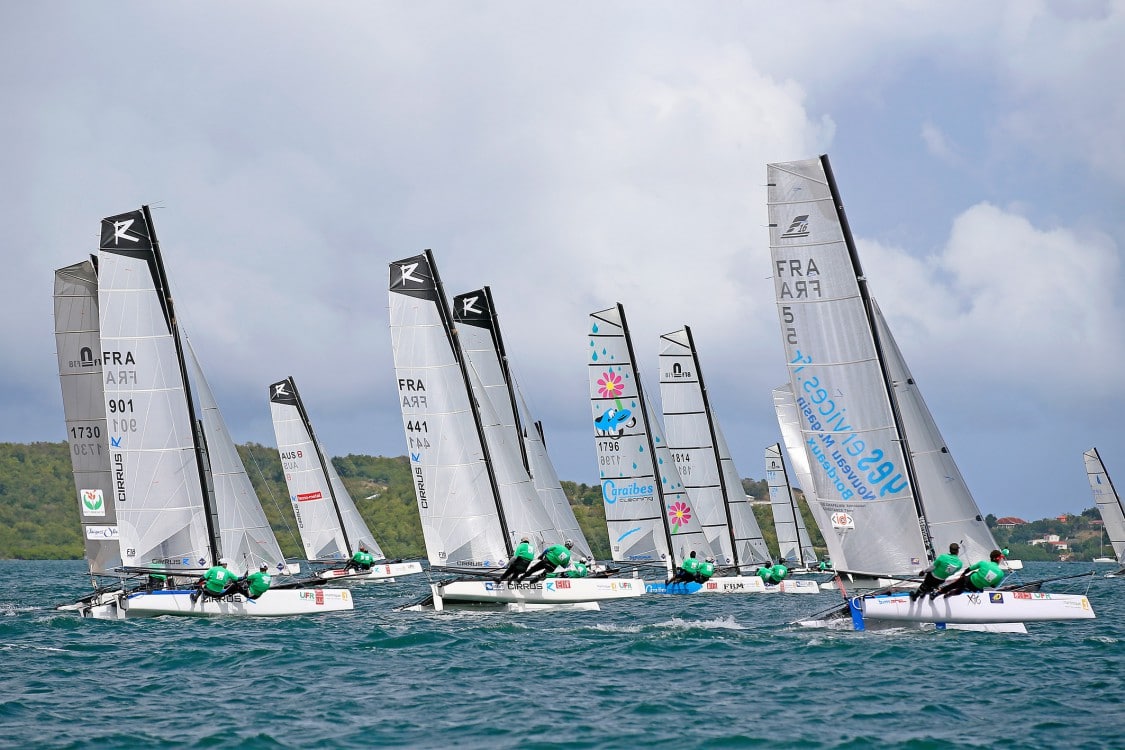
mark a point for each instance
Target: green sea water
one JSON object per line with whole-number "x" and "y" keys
{"x": 656, "y": 672}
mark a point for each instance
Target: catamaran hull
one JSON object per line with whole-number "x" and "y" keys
{"x": 533, "y": 594}
{"x": 733, "y": 585}
{"x": 974, "y": 608}
{"x": 273, "y": 603}
{"x": 385, "y": 572}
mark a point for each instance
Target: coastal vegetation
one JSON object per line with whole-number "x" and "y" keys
{"x": 39, "y": 519}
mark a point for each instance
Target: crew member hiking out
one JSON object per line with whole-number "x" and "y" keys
{"x": 215, "y": 583}
{"x": 943, "y": 567}
{"x": 555, "y": 556}
{"x": 982, "y": 575}
{"x": 520, "y": 561}
{"x": 687, "y": 571}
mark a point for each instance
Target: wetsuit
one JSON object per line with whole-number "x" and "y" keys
{"x": 706, "y": 570}
{"x": 521, "y": 559}
{"x": 944, "y": 566}
{"x": 773, "y": 574}
{"x": 577, "y": 570}
{"x": 687, "y": 571}
{"x": 980, "y": 576}
{"x": 361, "y": 560}
{"x": 257, "y": 583}
{"x": 215, "y": 583}
{"x": 553, "y": 557}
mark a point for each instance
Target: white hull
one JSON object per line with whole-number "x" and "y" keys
{"x": 537, "y": 594}
{"x": 273, "y": 603}
{"x": 989, "y": 607}
{"x": 734, "y": 585}
{"x": 384, "y": 572}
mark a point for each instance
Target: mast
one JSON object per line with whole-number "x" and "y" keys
{"x": 451, "y": 334}
{"x": 865, "y": 295}
{"x": 714, "y": 445}
{"x": 320, "y": 457}
{"x": 648, "y": 439}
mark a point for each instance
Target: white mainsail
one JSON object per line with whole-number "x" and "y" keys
{"x": 649, "y": 515}
{"x": 879, "y": 465}
{"x": 158, "y": 472}
{"x": 328, "y": 521}
{"x": 482, "y": 349}
{"x": 788, "y": 420}
{"x": 1108, "y": 502}
{"x": 793, "y": 542}
{"x": 457, "y": 496}
{"x": 80, "y": 374}
{"x": 703, "y": 458}
{"x": 552, "y": 520}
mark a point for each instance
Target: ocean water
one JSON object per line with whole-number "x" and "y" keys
{"x": 656, "y": 672}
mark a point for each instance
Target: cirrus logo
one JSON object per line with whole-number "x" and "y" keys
{"x": 611, "y": 493}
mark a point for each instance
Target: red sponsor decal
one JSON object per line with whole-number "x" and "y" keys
{"x": 320, "y": 596}
{"x": 712, "y": 586}
{"x": 1021, "y": 595}
{"x": 562, "y": 584}
{"x": 309, "y": 496}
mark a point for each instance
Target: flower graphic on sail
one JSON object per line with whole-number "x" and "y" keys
{"x": 610, "y": 385}
{"x": 679, "y": 513}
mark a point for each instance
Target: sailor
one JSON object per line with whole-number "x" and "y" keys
{"x": 706, "y": 570}
{"x": 943, "y": 567}
{"x": 577, "y": 569}
{"x": 257, "y": 583}
{"x": 216, "y": 582}
{"x": 687, "y": 571}
{"x": 773, "y": 574}
{"x": 521, "y": 559}
{"x": 982, "y": 575}
{"x": 824, "y": 565}
{"x": 361, "y": 560}
{"x": 555, "y": 556}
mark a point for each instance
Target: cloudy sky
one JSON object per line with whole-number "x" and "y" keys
{"x": 572, "y": 156}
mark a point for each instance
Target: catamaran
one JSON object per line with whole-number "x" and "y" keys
{"x": 183, "y": 499}
{"x": 793, "y": 542}
{"x": 877, "y": 458}
{"x": 703, "y": 460}
{"x": 1109, "y": 506}
{"x": 331, "y": 527}
{"x": 469, "y": 479}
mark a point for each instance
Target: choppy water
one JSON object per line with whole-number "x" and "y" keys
{"x": 656, "y": 672}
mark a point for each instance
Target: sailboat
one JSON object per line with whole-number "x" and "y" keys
{"x": 330, "y": 525}
{"x": 703, "y": 459}
{"x": 183, "y": 499}
{"x": 551, "y": 520}
{"x": 793, "y": 542}
{"x": 1109, "y": 506}
{"x": 876, "y": 454}
{"x": 468, "y": 474}
{"x": 650, "y": 517}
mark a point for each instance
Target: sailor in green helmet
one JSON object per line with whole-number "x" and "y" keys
{"x": 773, "y": 574}
{"x": 555, "y": 556}
{"x": 521, "y": 559}
{"x": 943, "y": 567}
{"x": 255, "y": 584}
{"x": 687, "y": 571}
{"x": 577, "y": 569}
{"x": 706, "y": 570}
{"x": 982, "y": 575}
{"x": 216, "y": 582}
{"x": 362, "y": 560}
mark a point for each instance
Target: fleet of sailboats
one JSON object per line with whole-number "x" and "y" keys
{"x": 163, "y": 495}
{"x": 878, "y": 463}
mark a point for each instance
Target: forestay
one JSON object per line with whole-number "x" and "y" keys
{"x": 648, "y": 513}
{"x": 702, "y": 457}
{"x": 80, "y": 374}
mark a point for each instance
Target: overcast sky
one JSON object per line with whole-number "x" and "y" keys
{"x": 572, "y": 156}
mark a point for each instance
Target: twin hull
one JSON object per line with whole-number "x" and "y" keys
{"x": 547, "y": 591}
{"x": 379, "y": 572}
{"x": 734, "y": 585}
{"x": 974, "y": 608}
{"x": 273, "y": 603}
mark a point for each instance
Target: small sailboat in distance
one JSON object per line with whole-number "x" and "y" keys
{"x": 1109, "y": 506}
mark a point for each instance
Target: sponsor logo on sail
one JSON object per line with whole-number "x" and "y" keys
{"x": 843, "y": 520}
{"x": 468, "y": 305}
{"x": 407, "y": 270}
{"x": 799, "y": 227}
{"x": 93, "y": 504}
{"x": 99, "y": 533}
{"x": 306, "y": 496}
{"x": 121, "y": 231}
{"x": 631, "y": 492}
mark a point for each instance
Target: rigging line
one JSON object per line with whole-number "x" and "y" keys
{"x": 273, "y": 498}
